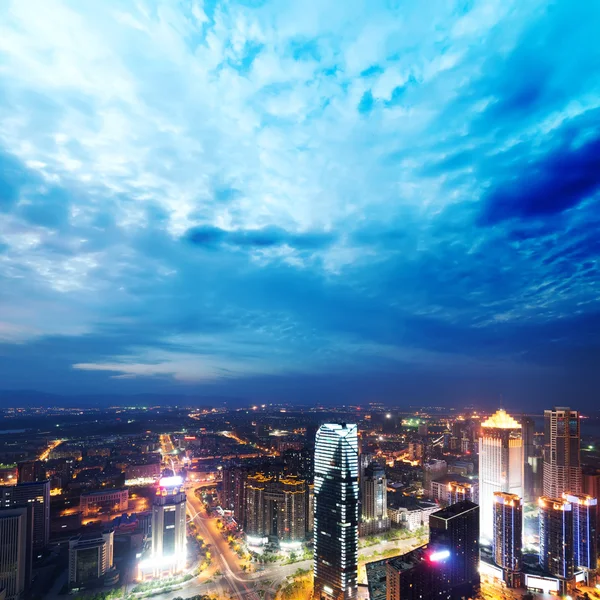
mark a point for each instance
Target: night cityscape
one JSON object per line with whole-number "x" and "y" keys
{"x": 299, "y": 300}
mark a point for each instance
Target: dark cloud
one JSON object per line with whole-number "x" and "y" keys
{"x": 266, "y": 237}
{"x": 560, "y": 180}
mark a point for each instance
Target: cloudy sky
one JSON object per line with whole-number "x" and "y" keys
{"x": 301, "y": 201}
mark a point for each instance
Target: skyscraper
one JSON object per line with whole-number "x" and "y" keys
{"x": 37, "y": 495}
{"x": 169, "y": 527}
{"x": 456, "y": 529}
{"x": 373, "y": 494}
{"x": 528, "y": 429}
{"x": 15, "y": 550}
{"x": 256, "y": 508}
{"x": 508, "y": 535}
{"x": 336, "y": 512}
{"x": 562, "y": 467}
{"x": 585, "y": 547}
{"x": 556, "y": 537}
{"x": 500, "y": 465}
{"x": 275, "y": 510}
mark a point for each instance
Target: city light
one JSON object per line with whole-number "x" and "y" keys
{"x": 439, "y": 555}
{"x": 168, "y": 482}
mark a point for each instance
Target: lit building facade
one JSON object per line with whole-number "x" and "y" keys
{"x": 373, "y": 494}
{"x": 556, "y": 537}
{"x": 116, "y": 500}
{"x": 37, "y": 495}
{"x": 168, "y": 553}
{"x": 585, "y": 545}
{"x": 562, "y": 466}
{"x": 336, "y": 512}
{"x": 501, "y": 464}
{"x": 455, "y": 529}
{"x": 15, "y": 550}
{"x": 507, "y": 547}
{"x": 90, "y": 559}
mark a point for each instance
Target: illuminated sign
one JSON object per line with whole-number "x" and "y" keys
{"x": 439, "y": 555}
{"x": 168, "y": 482}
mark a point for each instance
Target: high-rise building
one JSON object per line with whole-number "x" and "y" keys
{"x": 556, "y": 537}
{"x": 562, "y": 466}
{"x": 16, "y": 526}
{"x": 275, "y": 510}
{"x": 234, "y": 489}
{"x": 256, "y": 508}
{"x": 500, "y": 465}
{"x": 90, "y": 559}
{"x": 37, "y": 495}
{"x": 528, "y": 431}
{"x": 373, "y": 495}
{"x": 585, "y": 544}
{"x": 30, "y": 471}
{"x": 168, "y": 527}
{"x": 336, "y": 512}
{"x": 420, "y": 574}
{"x": 456, "y": 530}
{"x": 508, "y": 537}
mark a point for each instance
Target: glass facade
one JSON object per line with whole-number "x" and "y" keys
{"x": 336, "y": 512}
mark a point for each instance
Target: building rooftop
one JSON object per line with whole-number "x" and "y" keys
{"x": 446, "y": 479}
{"x": 501, "y": 420}
{"x": 455, "y": 509}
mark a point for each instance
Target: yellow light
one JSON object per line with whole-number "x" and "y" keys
{"x": 501, "y": 420}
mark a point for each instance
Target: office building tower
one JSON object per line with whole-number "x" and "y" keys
{"x": 500, "y": 465}
{"x": 420, "y": 574}
{"x": 508, "y": 535}
{"x": 373, "y": 495}
{"x": 90, "y": 559}
{"x": 31, "y": 471}
{"x": 16, "y": 526}
{"x": 562, "y": 466}
{"x": 456, "y": 529}
{"x": 169, "y": 526}
{"x": 585, "y": 544}
{"x": 336, "y": 512}
{"x": 36, "y": 495}
{"x": 556, "y": 537}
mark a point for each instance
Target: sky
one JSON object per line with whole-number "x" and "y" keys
{"x": 302, "y": 201}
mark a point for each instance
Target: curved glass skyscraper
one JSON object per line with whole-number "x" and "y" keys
{"x": 336, "y": 512}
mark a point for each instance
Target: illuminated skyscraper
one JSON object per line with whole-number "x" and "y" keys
{"x": 508, "y": 536}
{"x": 373, "y": 494}
{"x": 501, "y": 465}
{"x": 585, "y": 547}
{"x": 15, "y": 550}
{"x": 336, "y": 513}
{"x": 556, "y": 537}
{"x": 562, "y": 466}
{"x": 168, "y": 528}
{"x": 455, "y": 529}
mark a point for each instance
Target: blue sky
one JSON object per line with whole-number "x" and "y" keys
{"x": 301, "y": 201}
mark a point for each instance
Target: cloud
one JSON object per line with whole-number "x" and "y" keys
{"x": 254, "y": 196}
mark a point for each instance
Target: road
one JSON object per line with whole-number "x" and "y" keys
{"x": 233, "y": 582}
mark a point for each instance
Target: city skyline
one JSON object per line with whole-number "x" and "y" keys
{"x": 343, "y": 202}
